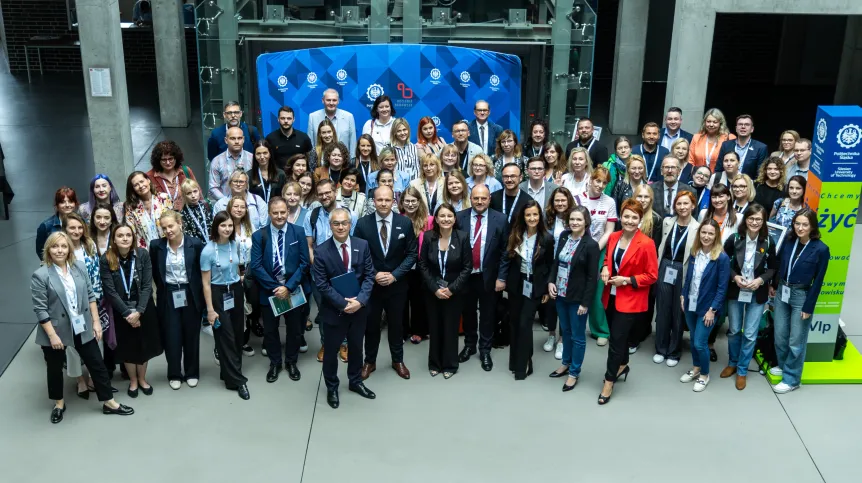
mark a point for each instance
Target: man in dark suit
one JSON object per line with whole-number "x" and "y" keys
{"x": 665, "y": 192}
{"x": 652, "y": 152}
{"x": 536, "y": 185}
{"x": 586, "y": 139}
{"x": 393, "y": 247}
{"x": 751, "y": 152}
{"x": 343, "y": 314}
{"x": 279, "y": 262}
{"x": 510, "y": 199}
{"x": 483, "y": 131}
{"x": 216, "y": 143}
{"x": 672, "y": 130}
{"x": 488, "y": 237}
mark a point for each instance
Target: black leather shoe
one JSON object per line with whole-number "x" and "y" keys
{"x": 332, "y": 399}
{"x": 57, "y": 414}
{"x": 132, "y": 394}
{"x": 122, "y": 410}
{"x": 363, "y": 391}
{"x": 465, "y": 354}
{"x": 242, "y": 390}
{"x": 148, "y": 391}
{"x": 85, "y": 394}
{"x": 292, "y": 371}
{"x": 713, "y": 356}
{"x": 487, "y": 363}
{"x": 556, "y": 374}
{"x": 272, "y": 374}
{"x": 567, "y": 388}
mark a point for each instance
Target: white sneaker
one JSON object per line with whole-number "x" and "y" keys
{"x": 783, "y": 388}
{"x": 672, "y": 362}
{"x": 558, "y": 353}
{"x": 263, "y": 351}
{"x": 700, "y": 384}
{"x": 247, "y": 351}
{"x": 175, "y": 384}
{"x": 658, "y": 358}
{"x": 192, "y": 382}
{"x": 602, "y": 341}
{"x": 689, "y": 376}
{"x": 776, "y": 371}
{"x": 632, "y": 350}
{"x": 549, "y": 344}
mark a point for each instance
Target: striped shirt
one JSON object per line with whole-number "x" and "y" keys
{"x": 408, "y": 160}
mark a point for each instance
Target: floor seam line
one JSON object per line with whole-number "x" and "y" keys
{"x": 310, "y": 428}
{"x": 810, "y": 456}
{"x": 17, "y": 242}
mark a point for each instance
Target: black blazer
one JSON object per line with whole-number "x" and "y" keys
{"x": 112, "y": 284}
{"x": 583, "y": 275}
{"x": 495, "y": 266}
{"x": 497, "y": 204}
{"x": 765, "y": 265}
{"x": 192, "y": 248}
{"x": 402, "y": 251}
{"x": 459, "y": 263}
{"x": 757, "y": 154}
{"x": 541, "y": 269}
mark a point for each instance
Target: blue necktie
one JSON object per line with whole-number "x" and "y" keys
{"x": 279, "y": 270}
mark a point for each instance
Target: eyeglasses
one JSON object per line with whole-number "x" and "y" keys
{"x": 755, "y": 220}
{"x": 459, "y": 131}
{"x": 483, "y": 110}
{"x": 510, "y": 176}
{"x": 233, "y": 113}
{"x": 238, "y": 182}
{"x": 740, "y": 187}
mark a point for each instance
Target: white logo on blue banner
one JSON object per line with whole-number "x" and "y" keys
{"x": 282, "y": 81}
{"x": 495, "y": 81}
{"x": 849, "y": 136}
{"x": 821, "y": 131}
{"x": 435, "y": 73}
{"x": 465, "y": 77}
{"x": 341, "y": 74}
{"x": 312, "y": 79}
{"x": 374, "y": 91}
{"x": 436, "y": 121}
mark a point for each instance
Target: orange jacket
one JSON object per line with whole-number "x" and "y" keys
{"x": 698, "y": 151}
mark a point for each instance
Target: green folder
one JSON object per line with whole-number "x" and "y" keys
{"x": 279, "y": 306}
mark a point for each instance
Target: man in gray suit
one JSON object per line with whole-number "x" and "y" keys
{"x": 345, "y": 127}
{"x": 537, "y": 186}
{"x": 665, "y": 192}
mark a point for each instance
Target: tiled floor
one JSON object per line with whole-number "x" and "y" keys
{"x": 476, "y": 427}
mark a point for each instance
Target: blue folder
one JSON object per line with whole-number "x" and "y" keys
{"x": 346, "y": 285}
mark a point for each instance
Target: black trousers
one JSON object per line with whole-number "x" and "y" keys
{"x": 620, "y": 325}
{"x": 415, "y": 321}
{"x": 294, "y": 324}
{"x": 444, "y": 317}
{"x": 90, "y": 356}
{"x": 181, "y": 329}
{"x": 501, "y": 320}
{"x": 338, "y": 326}
{"x": 228, "y": 336}
{"x": 392, "y": 301}
{"x": 484, "y": 323}
{"x": 669, "y": 320}
{"x": 643, "y": 324}
{"x": 252, "y": 294}
{"x": 521, "y": 312}
{"x": 548, "y": 315}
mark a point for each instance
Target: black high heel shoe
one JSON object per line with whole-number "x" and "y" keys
{"x": 85, "y": 394}
{"x": 605, "y": 399}
{"x": 556, "y": 374}
{"x": 625, "y": 374}
{"x": 567, "y": 388}
{"x": 521, "y": 376}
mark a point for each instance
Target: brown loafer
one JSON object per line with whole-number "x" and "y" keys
{"x": 367, "y": 369}
{"x": 740, "y": 382}
{"x": 401, "y": 369}
{"x": 320, "y": 355}
{"x": 343, "y": 353}
{"x": 727, "y": 372}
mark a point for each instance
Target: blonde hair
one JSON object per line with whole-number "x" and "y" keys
{"x": 646, "y": 223}
{"x": 633, "y": 158}
{"x": 246, "y": 220}
{"x": 465, "y": 189}
{"x": 749, "y": 186}
{"x": 676, "y": 143}
{"x": 54, "y": 239}
{"x": 395, "y": 125}
{"x": 589, "y": 167}
{"x": 489, "y": 165}
{"x": 722, "y": 122}
{"x": 291, "y": 184}
{"x": 429, "y": 158}
{"x": 178, "y": 218}
{"x": 717, "y": 246}
{"x": 188, "y": 185}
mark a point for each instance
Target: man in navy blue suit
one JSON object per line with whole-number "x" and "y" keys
{"x": 750, "y": 151}
{"x": 279, "y": 262}
{"x": 652, "y": 152}
{"x": 488, "y": 238}
{"x": 672, "y": 129}
{"x": 483, "y": 131}
{"x": 232, "y": 118}
{"x": 343, "y": 314}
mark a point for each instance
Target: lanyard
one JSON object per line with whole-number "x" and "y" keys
{"x": 708, "y": 156}
{"x": 441, "y": 260}
{"x": 267, "y": 188}
{"x": 791, "y": 264}
{"x": 723, "y": 224}
{"x": 366, "y": 168}
{"x": 431, "y": 195}
{"x": 673, "y": 244}
{"x": 616, "y": 249}
{"x": 176, "y": 188}
{"x": 702, "y": 192}
{"x": 654, "y": 163}
{"x": 528, "y": 255}
{"x": 152, "y": 230}
{"x": 128, "y": 285}
{"x": 512, "y": 210}
{"x": 226, "y": 271}
{"x": 243, "y": 247}
{"x": 200, "y": 224}
{"x": 740, "y": 209}
{"x": 590, "y": 146}
{"x": 744, "y": 153}
{"x": 295, "y": 216}
{"x": 541, "y": 148}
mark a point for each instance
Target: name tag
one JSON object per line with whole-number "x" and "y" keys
{"x": 563, "y": 271}
{"x": 670, "y": 275}
{"x": 745, "y": 296}
{"x": 692, "y": 305}
{"x": 78, "y": 324}
{"x": 785, "y": 294}
{"x": 613, "y": 289}
{"x": 179, "y": 298}
{"x": 528, "y": 289}
{"x": 228, "y": 301}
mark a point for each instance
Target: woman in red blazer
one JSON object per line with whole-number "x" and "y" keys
{"x": 630, "y": 267}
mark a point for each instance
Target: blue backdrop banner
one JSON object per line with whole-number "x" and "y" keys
{"x": 423, "y": 80}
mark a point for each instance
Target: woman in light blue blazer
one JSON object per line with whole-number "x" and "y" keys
{"x": 65, "y": 306}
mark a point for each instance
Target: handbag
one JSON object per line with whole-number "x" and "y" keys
{"x": 765, "y": 344}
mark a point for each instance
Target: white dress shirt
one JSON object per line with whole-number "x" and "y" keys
{"x": 175, "y": 270}
{"x": 349, "y": 251}
{"x": 388, "y": 231}
{"x": 69, "y": 288}
{"x": 483, "y": 136}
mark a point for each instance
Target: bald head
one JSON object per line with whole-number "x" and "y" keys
{"x": 480, "y": 197}
{"x": 234, "y": 138}
{"x": 383, "y": 199}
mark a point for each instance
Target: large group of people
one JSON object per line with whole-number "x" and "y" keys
{"x": 482, "y": 235}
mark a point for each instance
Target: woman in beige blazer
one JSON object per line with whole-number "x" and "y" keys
{"x": 430, "y": 183}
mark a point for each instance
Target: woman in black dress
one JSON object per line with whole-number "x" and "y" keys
{"x": 127, "y": 281}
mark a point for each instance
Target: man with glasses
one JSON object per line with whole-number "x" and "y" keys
{"x": 217, "y": 142}
{"x": 466, "y": 149}
{"x": 511, "y": 199}
{"x": 235, "y": 157}
{"x": 751, "y": 152}
{"x": 345, "y": 126}
{"x": 287, "y": 141}
{"x": 483, "y": 131}
{"x": 665, "y": 193}
{"x": 536, "y": 186}
{"x": 801, "y": 159}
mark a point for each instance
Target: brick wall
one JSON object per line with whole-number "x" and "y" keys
{"x": 27, "y": 18}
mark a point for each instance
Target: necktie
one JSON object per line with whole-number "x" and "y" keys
{"x": 482, "y": 136}
{"x": 279, "y": 270}
{"x": 344, "y": 258}
{"x": 669, "y": 199}
{"x": 384, "y": 235}
{"x": 477, "y": 244}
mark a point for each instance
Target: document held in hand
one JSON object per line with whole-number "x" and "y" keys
{"x": 279, "y": 306}
{"x": 346, "y": 285}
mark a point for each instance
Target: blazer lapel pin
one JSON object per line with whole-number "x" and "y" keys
{"x": 400, "y": 236}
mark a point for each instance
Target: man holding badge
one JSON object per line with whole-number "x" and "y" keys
{"x": 279, "y": 259}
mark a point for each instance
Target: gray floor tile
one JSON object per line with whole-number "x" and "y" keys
{"x": 12, "y": 336}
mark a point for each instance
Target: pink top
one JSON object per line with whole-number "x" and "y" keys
{"x": 428, "y": 226}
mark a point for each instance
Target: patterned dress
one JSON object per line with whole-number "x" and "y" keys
{"x": 146, "y": 224}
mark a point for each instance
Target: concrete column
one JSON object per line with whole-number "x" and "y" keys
{"x": 690, "y": 51}
{"x": 628, "y": 66}
{"x": 171, "y": 63}
{"x": 110, "y": 130}
{"x": 561, "y": 39}
{"x": 847, "y": 90}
